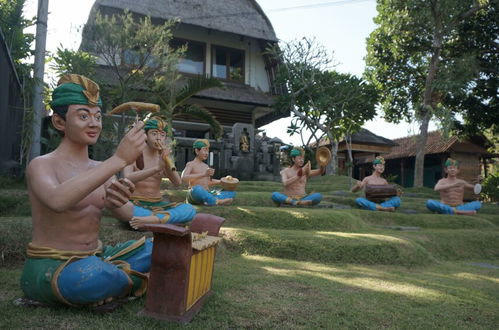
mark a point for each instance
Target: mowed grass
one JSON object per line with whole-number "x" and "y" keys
{"x": 283, "y": 267}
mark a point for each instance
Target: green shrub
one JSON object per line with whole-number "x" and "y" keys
{"x": 490, "y": 188}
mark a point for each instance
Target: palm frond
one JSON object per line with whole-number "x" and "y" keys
{"x": 195, "y": 85}
{"x": 198, "y": 111}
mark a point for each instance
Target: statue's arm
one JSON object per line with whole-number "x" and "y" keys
{"x": 60, "y": 197}
{"x": 117, "y": 201}
{"x": 188, "y": 175}
{"x": 287, "y": 179}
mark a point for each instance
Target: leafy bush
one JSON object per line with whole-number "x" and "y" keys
{"x": 490, "y": 188}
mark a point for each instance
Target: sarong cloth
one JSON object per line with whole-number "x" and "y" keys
{"x": 200, "y": 196}
{"x": 177, "y": 212}
{"x": 79, "y": 278}
{"x": 280, "y": 198}
{"x": 440, "y": 207}
{"x": 368, "y": 205}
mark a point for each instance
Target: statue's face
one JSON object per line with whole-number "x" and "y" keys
{"x": 379, "y": 168}
{"x": 452, "y": 170}
{"x": 202, "y": 153}
{"x": 298, "y": 160}
{"x": 156, "y": 138}
{"x": 83, "y": 123}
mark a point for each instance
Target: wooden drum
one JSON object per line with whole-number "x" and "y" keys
{"x": 378, "y": 193}
{"x": 182, "y": 268}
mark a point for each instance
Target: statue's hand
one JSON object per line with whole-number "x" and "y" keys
{"x": 118, "y": 193}
{"x": 132, "y": 144}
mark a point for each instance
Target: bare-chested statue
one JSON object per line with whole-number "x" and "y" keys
{"x": 375, "y": 179}
{"x": 199, "y": 177}
{"x": 294, "y": 179}
{"x": 67, "y": 262}
{"x": 149, "y": 204}
{"x": 451, "y": 191}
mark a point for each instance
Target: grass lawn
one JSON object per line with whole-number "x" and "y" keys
{"x": 304, "y": 267}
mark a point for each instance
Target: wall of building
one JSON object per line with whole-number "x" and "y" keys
{"x": 255, "y": 74}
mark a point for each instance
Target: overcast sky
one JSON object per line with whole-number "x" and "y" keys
{"x": 342, "y": 26}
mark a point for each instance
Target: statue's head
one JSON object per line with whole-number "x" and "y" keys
{"x": 74, "y": 89}
{"x": 78, "y": 97}
{"x": 156, "y": 129}
{"x": 297, "y": 156}
{"x": 451, "y": 166}
{"x": 379, "y": 164}
{"x": 201, "y": 148}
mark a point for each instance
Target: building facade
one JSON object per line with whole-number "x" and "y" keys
{"x": 226, "y": 40}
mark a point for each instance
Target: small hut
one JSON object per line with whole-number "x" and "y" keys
{"x": 471, "y": 154}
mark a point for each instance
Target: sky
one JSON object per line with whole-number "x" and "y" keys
{"x": 341, "y": 26}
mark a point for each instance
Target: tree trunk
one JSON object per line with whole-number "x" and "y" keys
{"x": 427, "y": 107}
{"x": 420, "y": 150}
{"x": 334, "y": 157}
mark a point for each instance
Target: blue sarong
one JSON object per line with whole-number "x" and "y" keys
{"x": 442, "y": 208}
{"x": 368, "y": 205}
{"x": 199, "y": 195}
{"x": 280, "y": 198}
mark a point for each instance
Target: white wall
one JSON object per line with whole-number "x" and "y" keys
{"x": 255, "y": 74}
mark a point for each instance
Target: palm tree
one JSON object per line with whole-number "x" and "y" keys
{"x": 173, "y": 96}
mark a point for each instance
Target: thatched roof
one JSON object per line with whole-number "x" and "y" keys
{"x": 435, "y": 144}
{"x": 242, "y": 17}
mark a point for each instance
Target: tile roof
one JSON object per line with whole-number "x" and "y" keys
{"x": 435, "y": 144}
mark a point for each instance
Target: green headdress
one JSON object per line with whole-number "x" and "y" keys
{"x": 201, "y": 143}
{"x": 296, "y": 152}
{"x": 451, "y": 162}
{"x": 379, "y": 160}
{"x": 156, "y": 123}
{"x": 75, "y": 89}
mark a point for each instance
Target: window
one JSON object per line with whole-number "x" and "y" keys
{"x": 228, "y": 63}
{"x": 193, "y": 61}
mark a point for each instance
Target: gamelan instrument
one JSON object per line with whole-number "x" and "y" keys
{"x": 147, "y": 108}
{"x": 378, "y": 193}
{"x": 182, "y": 265}
{"x": 229, "y": 183}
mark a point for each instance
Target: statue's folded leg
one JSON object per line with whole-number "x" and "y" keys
{"x": 365, "y": 204}
{"x": 439, "y": 207}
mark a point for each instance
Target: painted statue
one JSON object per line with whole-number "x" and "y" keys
{"x": 149, "y": 204}
{"x": 294, "y": 179}
{"x": 244, "y": 141}
{"x": 375, "y": 179}
{"x": 451, "y": 191}
{"x": 66, "y": 262}
{"x": 199, "y": 177}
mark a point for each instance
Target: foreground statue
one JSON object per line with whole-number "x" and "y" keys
{"x": 149, "y": 205}
{"x": 294, "y": 179}
{"x": 451, "y": 191}
{"x": 199, "y": 177}
{"x": 67, "y": 190}
{"x": 376, "y": 181}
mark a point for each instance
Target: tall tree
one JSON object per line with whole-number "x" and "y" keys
{"x": 327, "y": 103}
{"x": 142, "y": 65}
{"x": 13, "y": 23}
{"x": 410, "y": 63}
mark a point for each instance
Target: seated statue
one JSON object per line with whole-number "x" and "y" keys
{"x": 199, "y": 177}
{"x": 149, "y": 205}
{"x": 375, "y": 179}
{"x": 451, "y": 191}
{"x": 294, "y": 179}
{"x": 66, "y": 262}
